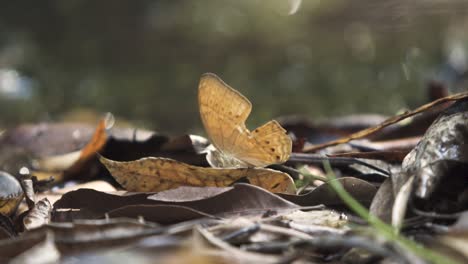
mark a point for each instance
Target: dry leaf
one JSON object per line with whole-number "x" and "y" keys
{"x": 73, "y": 162}
{"x": 442, "y": 149}
{"x": 41, "y": 253}
{"x": 173, "y": 205}
{"x": 382, "y": 203}
{"x": 38, "y": 216}
{"x": 361, "y": 190}
{"x": 56, "y": 194}
{"x": 159, "y": 174}
{"x": 11, "y": 193}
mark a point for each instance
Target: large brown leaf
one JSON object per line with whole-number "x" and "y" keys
{"x": 168, "y": 207}
{"x": 159, "y": 174}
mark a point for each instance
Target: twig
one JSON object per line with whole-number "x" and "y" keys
{"x": 389, "y": 121}
{"x": 241, "y": 234}
{"x": 334, "y": 161}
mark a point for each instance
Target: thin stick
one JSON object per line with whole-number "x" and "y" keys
{"x": 390, "y": 121}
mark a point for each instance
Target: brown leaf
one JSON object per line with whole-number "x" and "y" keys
{"x": 159, "y": 213}
{"x": 79, "y": 237}
{"x": 47, "y": 139}
{"x": 187, "y": 194}
{"x": 383, "y": 201}
{"x": 441, "y": 152}
{"x": 158, "y": 174}
{"x": 168, "y": 207}
{"x": 73, "y": 163}
{"x": 324, "y": 194}
{"x": 7, "y": 228}
{"x": 10, "y": 248}
{"x": 96, "y": 143}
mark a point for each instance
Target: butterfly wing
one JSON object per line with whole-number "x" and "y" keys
{"x": 223, "y": 111}
{"x": 268, "y": 144}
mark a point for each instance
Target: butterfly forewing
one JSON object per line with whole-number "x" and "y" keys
{"x": 223, "y": 112}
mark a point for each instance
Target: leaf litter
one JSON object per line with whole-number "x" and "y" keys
{"x": 123, "y": 193}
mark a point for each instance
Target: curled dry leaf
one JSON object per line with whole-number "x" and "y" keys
{"x": 7, "y": 228}
{"x": 11, "y": 193}
{"x": 28, "y": 189}
{"x": 443, "y": 147}
{"x": 38, "y": 216}
{"x": 74, "y": 162}
{"x": 159, "y": 174}
{"x": 382, "y": 203}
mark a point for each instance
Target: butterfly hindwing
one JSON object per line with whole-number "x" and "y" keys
{"x": 271, "y": 145}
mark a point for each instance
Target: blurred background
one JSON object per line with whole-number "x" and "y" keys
{"x": 141, "y": 60}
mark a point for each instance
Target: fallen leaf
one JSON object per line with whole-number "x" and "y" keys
{"x": 7, "y": 228}
{"x": 441, "y": 150}
{"x": 38, "y": 216}
{"x": 187, "y": 194}
{"x": 47, "y": 139}
{"x": 324, "y": 194}
{"x": 159, "y": 213}
{"x": 55, "y": 194}
{"x": 70, "y": 164}
{"x": 168, "y": 206}
{"x": 159, "y": 174}
{"x": 78, "y": 237}
{"x": 10, "y": 248}
{"x": 401, "y": 202}
{"x": 382, "y": 203}
{"x": 42, "y": 253}
{"x": 11, "y": 193}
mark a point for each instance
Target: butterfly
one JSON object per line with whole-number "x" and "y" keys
{"x": 223, "y": 111}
